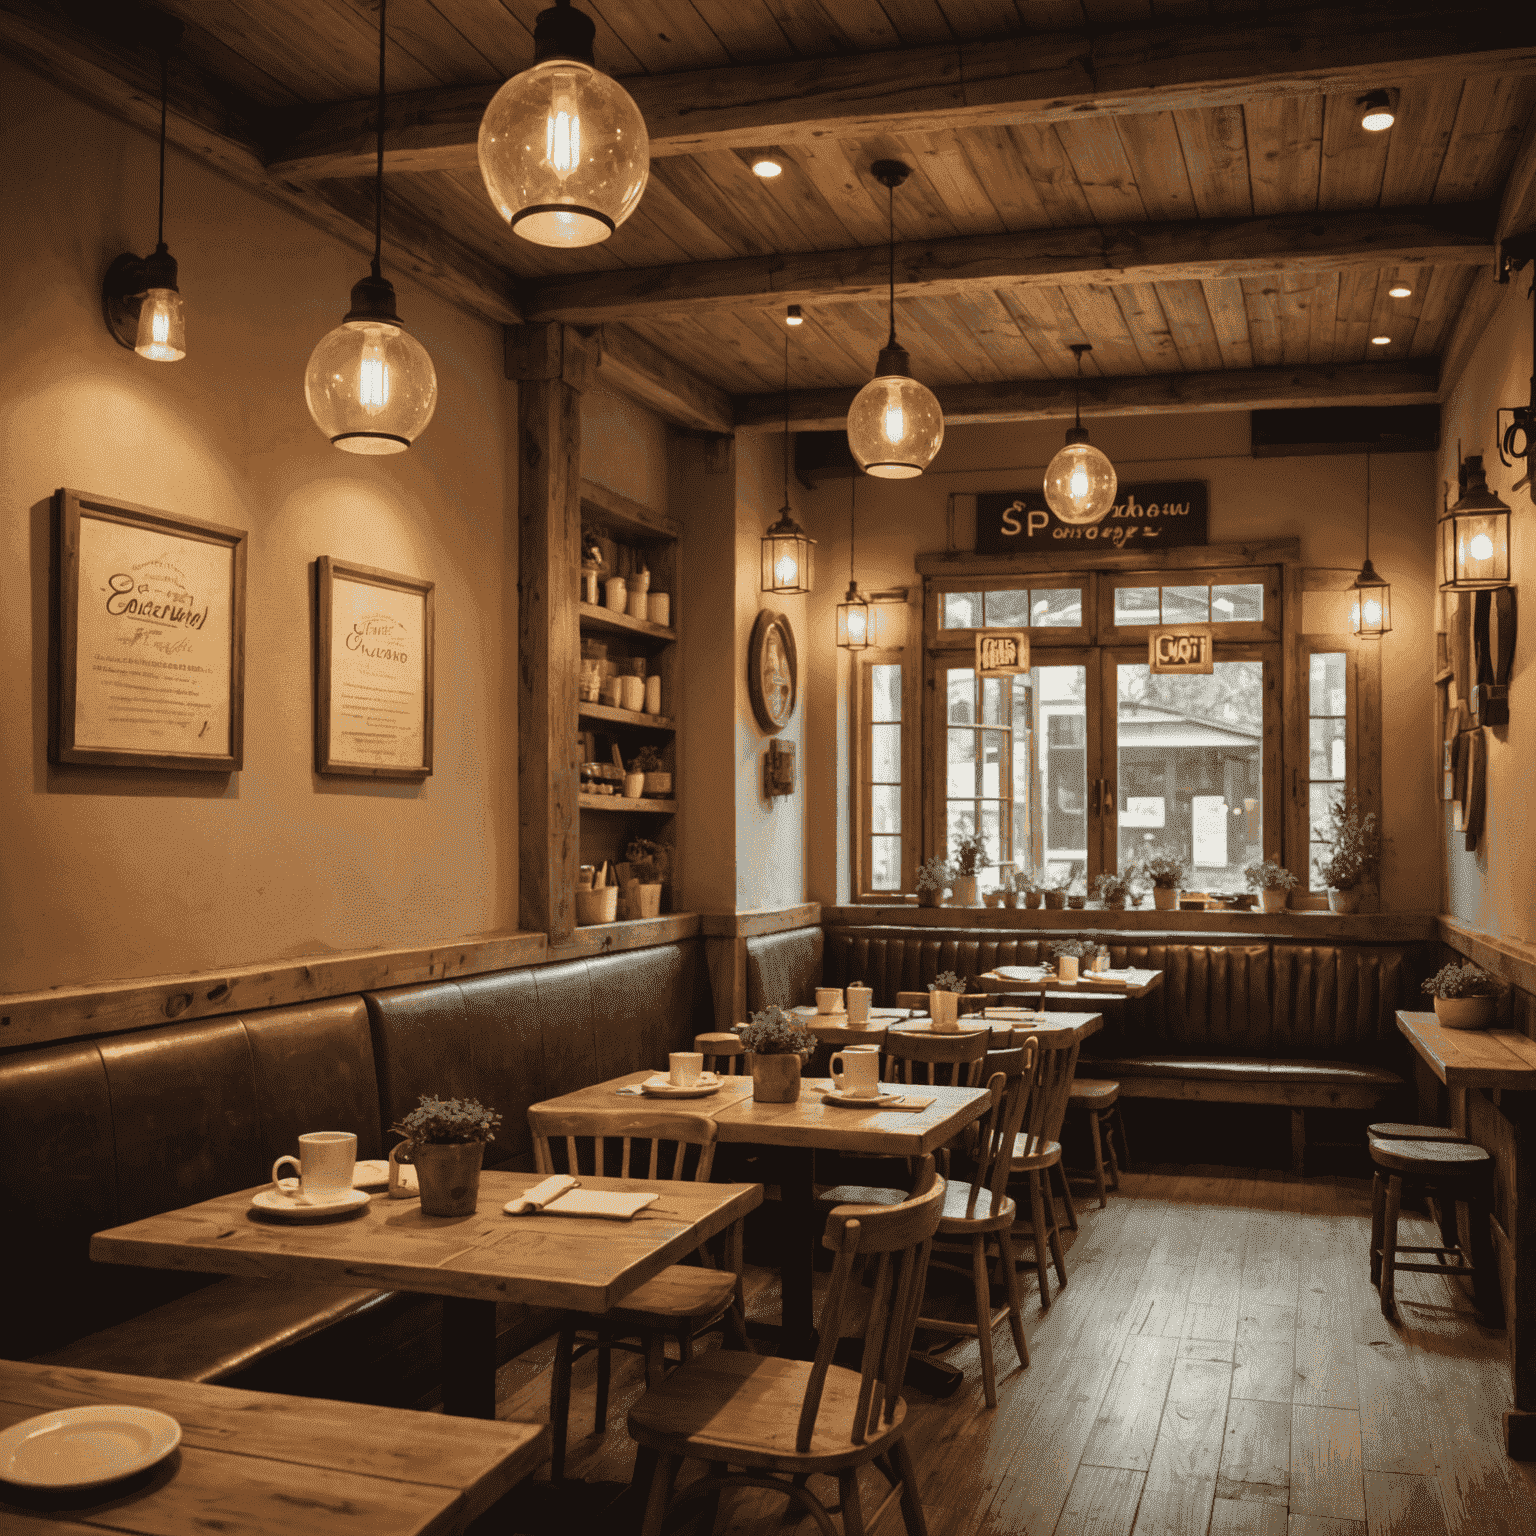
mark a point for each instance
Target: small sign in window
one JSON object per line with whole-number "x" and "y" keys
{"x": 1002, "y": 653}
{"x": 1184, "y": 648}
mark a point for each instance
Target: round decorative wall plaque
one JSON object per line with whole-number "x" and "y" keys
{"x": 772, "y": 675}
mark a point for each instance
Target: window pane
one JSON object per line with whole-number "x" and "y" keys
{"x": 1136, "y": 605}
{"x": 1325, "y": 684}
{"x": 1318, "y": 856}
{"x": 1058, "y": 607}
{"x": 1186, "y": 605}
{"x": 1190, "y": 769}
{"x": 991, "y": 700}
{"x": 962, "y": 610}
{"x": 885, "y": 692}
{"x": 1327, "y": 744}
{"x": 991, "y": 831}
{"x": 1238, "y": 605}
{"x": 994, "y": 748}
{"x": 1322, "y": 798}
{"x": 885, "y": 864}
{"x": 885, "y": 753}
{"x": 1058, "y": 838}
{"x": 1007, "y": 610}
{"x": 885, "y": 808}
{"x": 961, "y": 776}
{"x": 962, "y": 696}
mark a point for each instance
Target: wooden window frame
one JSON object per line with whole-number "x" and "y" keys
{"x": 1242, "y": 631}
{"x": 1042, "y": 635}
{"x": 860, "y": 757}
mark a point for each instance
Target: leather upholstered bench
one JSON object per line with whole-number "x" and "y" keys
{"x": 785, "y": 969}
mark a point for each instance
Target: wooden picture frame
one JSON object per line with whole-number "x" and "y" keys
{"x": 373, "y": 687}
{"x": 148, "y": 621}
{"x": 773, "y": 674}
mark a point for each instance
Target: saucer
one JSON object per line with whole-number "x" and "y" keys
{"x": 295, "y": 1209}
{"x": 859, "y": 1101}
{"x": 86, "y": 1447}
{"x": 659, "y": 1087}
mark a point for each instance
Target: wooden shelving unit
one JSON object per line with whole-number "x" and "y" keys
{"x": 619, "y": 803}
{"x": 589, "y": 711}
{"x": 594, "y": 617}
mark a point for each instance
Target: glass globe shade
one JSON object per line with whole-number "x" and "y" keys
{"x": 1080, "y": 483}
{"x": 564, "y": 153}
{"x": 895, "y": 424}
{"x": 162, "y": 334}
{"x": 371, "y": 387}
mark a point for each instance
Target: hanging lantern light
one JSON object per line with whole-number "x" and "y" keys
{"x": 370, "y": 384}
{"x": 1474, "y": 535}
{"x": 1371, "y": 615}
{"x": 853, "y": 627}
{"x": 139, "y": 297}
{"x": 788, "y": 552}
{"x": 563, "y": 147}
{"x": 1080, "y": 482}
{"x": 895, "y": 425}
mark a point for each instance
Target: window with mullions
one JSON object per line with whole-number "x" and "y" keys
{"x": 1327, "y": 751}
{"x": 1014, "y": 608}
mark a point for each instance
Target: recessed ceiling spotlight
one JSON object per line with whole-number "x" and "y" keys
{"x": 1399, "y": 291}
{"x": 1376, "y": 112}
{"x": 1381, "y": 341}
{"x": 794, "y": 316}
{"x": 766, "y": 167}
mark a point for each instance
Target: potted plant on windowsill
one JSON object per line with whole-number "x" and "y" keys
{"x": 778, "y": 1045}
{"x": 1069, "y": 955}
{"x": 1055, "y": 897}
{"x": 1112, "y": 890}
{"x": 1466, "y": 996}
{"x": 944, "y": 994}
{"x": 1165, "y": 871}
{"x": 1274, "y": 883}
{"x": 969, "y": 852}
{"x": 445, "y": 1142}
{"x": 1354, "y": 842}
{"x": 932, "y": 877}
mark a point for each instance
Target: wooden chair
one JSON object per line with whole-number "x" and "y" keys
{"x": 782, "y": 1421}
{"x": 985, "y": 1209}
{"x": 1037, "y": 1150}
{"x": 683, "y": 1301}
{"x": 1099, "y": 1099}
{"x": 724, "y": 1053}
{"x": 915, "y": 1059}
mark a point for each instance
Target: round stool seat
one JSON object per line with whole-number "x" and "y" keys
{"x": 1093, "y": 1093}
{"x": 719, "y": 1044}
{"x": 1388, "y": 1130}
{"x": 1431, "y": 1159}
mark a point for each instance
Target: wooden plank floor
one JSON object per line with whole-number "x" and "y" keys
{"x": 1217, "y": 1366}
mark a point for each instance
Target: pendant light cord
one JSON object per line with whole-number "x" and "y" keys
{"x": 1077, "y": 396}
{"x": 853, "y": 497}
{"x": 378, "y": 181}
{"x": 164, "y": 88}
{"x": 786, "y": 419}
{"x": 1367, "y": 509}
{"x": 890, "y": 230}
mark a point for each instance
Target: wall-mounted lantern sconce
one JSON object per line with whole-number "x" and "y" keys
{"x": 1474, "y": 535}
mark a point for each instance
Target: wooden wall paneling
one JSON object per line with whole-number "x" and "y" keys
{"x": 1414, "y": 158}
{"x": 1261, "y": 298}
{"x": 1226, "y": 303}
{"x": 1155, "y": 154}
{"x": 1285, "y": 147}
{"x": 1216, "y": 156}
{"x": 1354, "y": 161}
{"x": 1103, "y": 170}
{"x": 1490, "y": 120}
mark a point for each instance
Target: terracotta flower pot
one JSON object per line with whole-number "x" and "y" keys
{"x": 1274, "y": 901}
{"x": 1055, "y": 900}
{"x": 1165, "y": 898}
{"x": 776, "y": 1079}
{"x": 1465, "y": 1012}
{"x": 449, "y": 1176}
{"x": 963, "y": 891}
{"x": 1010, "y": 899}
{"x": 929, "y": 898}
{"x": 1349, "y": 901}
{"x": 1032, "y": 898}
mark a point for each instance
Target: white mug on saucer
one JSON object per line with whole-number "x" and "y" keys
{"x": 325, "y": 1163}
{"x": 685, "y": 1068}
{"x": 856, "y": 1072}
{"x": 829, "y": 999}
{"x": 858, "y": 1005}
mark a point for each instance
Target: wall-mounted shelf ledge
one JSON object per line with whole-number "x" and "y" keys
{"x": 589, "y": 711}
{"x": 619, "y": 803}
{"x": 593, "y": 617}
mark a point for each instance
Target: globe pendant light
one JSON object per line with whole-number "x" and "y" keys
{"x": 1474, "y": 535}
{"x": 1080, "y": 482}
{"x": 563, "y": 148}
{"x": 853, "y": 611}
{"x": 895, "y": 425}
{"x": 139, "y": 297}
{"x": 1371, "y": 615}
{"x": 789, "y": 555}
{"x": 370, "y": 384}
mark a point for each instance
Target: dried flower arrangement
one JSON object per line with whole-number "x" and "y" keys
{"x": 1073, "y": 949}
{"x": 1455, "y": 980}
{"x": 773, "y": 1032}
{"x": 947, "y": 981}
{"x": 933, "y": 874}
{"x": 448, "y": 1122}
{"x": 1354, "y": 838}
{"x": 1113, "y": 889}
{"x": 1271, "y": 875}
{"x": 1163, "y": 869}
{"x": 970, "y": 852}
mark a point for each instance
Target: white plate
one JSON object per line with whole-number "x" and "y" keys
{"x": 275, "y": 1204}
{"x": 659, "y": 1087}
{"x": 86, "y": 1447}
{"x": 859, "y": 1101}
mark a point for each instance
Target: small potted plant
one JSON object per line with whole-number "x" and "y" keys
{"x": 969, "y": 852}
{"x": 932, "y": 877}
{"x": 778, "y": 1046}
{"x": 650, "y": 865}
{"x": 1112, "y": 890}
{"x": 1069, "y": 956}
{"x": 1274, "y": 883}
{"x": 1466, "y": 996}
{"x": 1354, "y": 842}
{"x": 1100, "y": 960}
{"x": 1012, "y": 888}
{"x": 1165, "y": 871}
{"x": 1055, "y": 897}
{"x": 1033, "y": 895}
{"x": 1077, "y": 895}
{"x": 445, "y": 1142}
{"x": 944, "y": 994}
{"x": 658, "y": 782}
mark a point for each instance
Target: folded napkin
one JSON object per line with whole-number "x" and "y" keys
{"x": 540, "y": 1195}
{"x": 909, "y": 1103}
{"x": 611, "y": 1204}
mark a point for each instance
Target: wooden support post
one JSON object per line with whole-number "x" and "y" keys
{"x": 553, "y": 366}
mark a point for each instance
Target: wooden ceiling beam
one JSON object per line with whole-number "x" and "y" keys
{"x": 1121, "y": 253}
{"x": 632, "y": 366}
{"x": 1407, "y": 383}
{"x": 1043, "y": 77}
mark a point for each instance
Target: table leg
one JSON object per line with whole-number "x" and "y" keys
{"x": 469, "y": 1358}
{"x": 797, "y": 1167}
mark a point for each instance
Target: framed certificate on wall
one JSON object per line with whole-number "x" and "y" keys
{"x": 148, "y": 638}
{"x": 373, "y": 695}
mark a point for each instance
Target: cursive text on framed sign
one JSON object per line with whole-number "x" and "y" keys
{"x": 1146, "y": 516}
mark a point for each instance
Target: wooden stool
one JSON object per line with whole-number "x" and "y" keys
{"x": 1452, "y": 1171}
{"x": 723, "y": 1053}
{"x": 1100, "y": 1098}
{"x": 1391, "y": 1130}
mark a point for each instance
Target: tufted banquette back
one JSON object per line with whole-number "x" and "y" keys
{"x": 784, "y": 968}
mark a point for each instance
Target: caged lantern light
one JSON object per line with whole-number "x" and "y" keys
{"x": 370, "y": 384}
{"x": 895, "y": 424}
{"x": 789, "y": 553}
{"x": 853, "y": 612}
{"x": 1371, "y": 614}
{"x": 563, "y": 147}
{"x": 1474, "y": 534}
{"x": 1080, "y": 482}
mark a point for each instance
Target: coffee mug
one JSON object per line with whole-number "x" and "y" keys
{"x": 685, "y": 1067}
{"x": 616, "y": 591}
{"x": 856, "y": 1071}
{"x": 829, "y": 999}
{"x": 325, "y": 1164}
{"x": 858, "y": 1005}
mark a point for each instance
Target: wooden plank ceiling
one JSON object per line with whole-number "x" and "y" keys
{"x": 1232, "y": 216}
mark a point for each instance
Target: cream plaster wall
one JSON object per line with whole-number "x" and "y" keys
{"x": 1495, "y": 887}
{"x": 1319, "y": 500}
{"x": 625, "y": 447}
{"x": 108, "y": 873}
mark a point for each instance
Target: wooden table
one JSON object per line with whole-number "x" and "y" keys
{"x": 473, "y": 1262}
{"x": 257, "y": 1463}
{"x": 1492, "y": 1077}
{"x": 1082, "y": 1026}
{"x": 1034, "y": 978}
